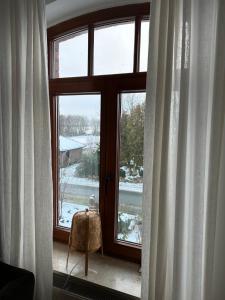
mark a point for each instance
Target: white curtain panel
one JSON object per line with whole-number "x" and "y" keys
{"x": 184, "y": 191}
{"x": 25, "y": 153}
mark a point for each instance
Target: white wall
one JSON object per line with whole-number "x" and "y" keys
{"x": 61, "y": 10}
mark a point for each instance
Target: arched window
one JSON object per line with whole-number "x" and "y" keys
{"x": 97, "y": 71}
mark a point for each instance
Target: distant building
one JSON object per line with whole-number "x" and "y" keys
{"x": 89, "y": 141}
{"x": 70, "y": 151}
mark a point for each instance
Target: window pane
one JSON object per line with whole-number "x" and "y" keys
{"x": 79, "y": 152}
{"x": 71, "y": 55}
{"x": 129, "y": 224}
{"x": 114, "y": 49}
{"x": 144, "y": 45}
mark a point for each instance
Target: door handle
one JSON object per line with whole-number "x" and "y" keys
{"x": 108, "y": 178}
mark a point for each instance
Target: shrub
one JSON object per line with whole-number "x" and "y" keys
{"x": 122, "y": 173}
{"x": 89, "y": 165}
{"x": 123, "y": 226}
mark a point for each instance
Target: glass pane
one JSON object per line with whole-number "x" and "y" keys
{"x": 114, "y": 49}
{"x": 71, "y": 55}
{"x": 79, "y": 152}
{"x": 129, "y": 224}
{"x": 144, "y": 45}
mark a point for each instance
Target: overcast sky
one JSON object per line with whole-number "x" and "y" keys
{"x": 113, "y": 53}
{"x": 83, "y": 105}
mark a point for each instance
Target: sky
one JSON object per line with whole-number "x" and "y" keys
{"x": 113, "y": 50}
{"x": 128, "y": 100}
{"x": 83, "y": 105}
{"x": 113, "y": 53}
{"x": 89, "y": 105}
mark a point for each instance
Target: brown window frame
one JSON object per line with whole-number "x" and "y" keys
{"x": 110, "y": 86}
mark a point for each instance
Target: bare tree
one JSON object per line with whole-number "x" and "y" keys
{"x": 72, "y": 125}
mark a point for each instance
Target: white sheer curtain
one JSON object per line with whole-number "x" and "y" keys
{"x": 184, "y": 191}
{"x": 25, "y": 154}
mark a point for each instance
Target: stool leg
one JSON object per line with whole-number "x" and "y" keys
{"x": 87, "y": 243}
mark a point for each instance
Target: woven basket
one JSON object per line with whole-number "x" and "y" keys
{"x": 86, "y": 232}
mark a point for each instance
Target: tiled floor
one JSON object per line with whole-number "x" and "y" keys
{"x": 103, "y": 270}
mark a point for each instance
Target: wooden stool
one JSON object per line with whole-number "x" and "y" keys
{"x": 85, "y": 234}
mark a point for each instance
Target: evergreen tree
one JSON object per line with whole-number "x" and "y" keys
{"x": 132, "y": 136}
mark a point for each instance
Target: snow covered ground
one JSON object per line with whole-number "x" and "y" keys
{"x": 69, "y": 209}
{"x": 70, "y": 178}
{"x": 90, "y": 141}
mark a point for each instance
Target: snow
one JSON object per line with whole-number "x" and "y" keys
{"x": 66, "y": 143}
{"x": 69, "y": 209}
{"x": 133, "y": 237}
{"x": 77, "y": 142}
{"x": 90, "y": 141}
{"x": 70, "y": 178}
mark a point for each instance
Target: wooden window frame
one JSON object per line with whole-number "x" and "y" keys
{"x": 110, "y": 86}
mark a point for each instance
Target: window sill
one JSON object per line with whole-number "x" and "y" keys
{"x": 106, "y": 271}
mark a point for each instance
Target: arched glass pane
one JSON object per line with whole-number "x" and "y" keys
{"x": 71, "y": 55}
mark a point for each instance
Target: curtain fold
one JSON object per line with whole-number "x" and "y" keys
{"x": 25, "y": 152}
{"x": 184, "y": 175}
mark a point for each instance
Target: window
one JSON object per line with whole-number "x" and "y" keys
{"x": 71, "y": 55}
{"x": 114, "y": 48}
{"x": 97, "y": 70}
{"x": 129, "y": 224}
{"x": 144, "y": 45}
{"x": 78, "y": 154}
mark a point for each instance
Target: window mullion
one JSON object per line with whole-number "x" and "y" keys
{"x": 90, "y": 49}
{"x": 137, "y": 43}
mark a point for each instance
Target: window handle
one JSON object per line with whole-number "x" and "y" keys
{"x": 108, "y": 178}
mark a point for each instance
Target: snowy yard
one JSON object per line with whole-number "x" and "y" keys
{"x": 70, "y": 178}
{"x": 75, "y": 187}
{"x": 69, "y": 209}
